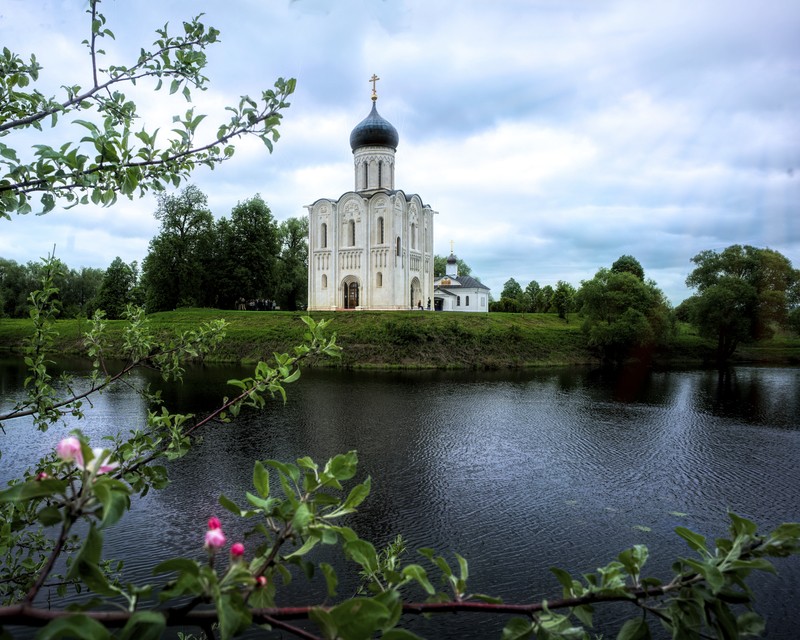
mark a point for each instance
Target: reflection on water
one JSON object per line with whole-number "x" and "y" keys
{"x": 516, "y": 471}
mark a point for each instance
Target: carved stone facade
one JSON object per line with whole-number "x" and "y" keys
{"x": 372, "y": 248}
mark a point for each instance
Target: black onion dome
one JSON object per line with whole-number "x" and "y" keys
{"x": 374, "y": 131}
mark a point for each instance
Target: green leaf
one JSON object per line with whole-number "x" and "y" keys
{"x": 416, "y": 572}
{"x": 230, "y": 505}
{"x": 363, "y": 553}
{"x": 144, "y": 625}
{"x": 636, "y": 629}
{"x": 308, "y": 545}
{"x": 113, "y": 495}
{"x": 750, "y": 624}
{"x": 261, "y": 479}
{"x": 90, "y": 551}
{"x": 359, "y": 618}
{"x": 331, "y": 579}
{"x": 695, "y": 540}
{"x": 518, "y": 629}
{"x": 74, "y": 627}
{"x": 178, "y": 565}
{"x": 356, "y": 496}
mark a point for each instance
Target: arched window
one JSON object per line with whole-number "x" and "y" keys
{"x": 413, "y": 236}
{"x": 380, "y": 231}
{"x": 398, "y": 245}
{"x": 324, "y": 281}
{"x": 467, "y": 303}
{"x": 379, "y": 279}
{"x": 458, "y": 301}
{"x": 380, "y": 173}
{"x": 352, "y": 233}
{"x": 366, "y": 175}
{"x": 323, "y": 235}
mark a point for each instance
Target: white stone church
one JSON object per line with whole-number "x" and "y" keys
{"x": 373, "y": 247}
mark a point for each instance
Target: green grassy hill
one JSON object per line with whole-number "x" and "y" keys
{"x": 410, "y": 339}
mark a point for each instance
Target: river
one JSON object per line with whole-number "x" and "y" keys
{"x": 516, "y": 471}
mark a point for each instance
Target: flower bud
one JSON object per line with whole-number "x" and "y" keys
{"x": 237, "y": 550}
{"x": 215, "y": 539}
{"x": 214, "y": 523}
{"x": 261, "y": 581}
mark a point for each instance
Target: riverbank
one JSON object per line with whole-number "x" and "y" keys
{"x": 407, "y": 339}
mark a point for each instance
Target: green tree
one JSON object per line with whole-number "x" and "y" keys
{"x": 253, "y": 249}
{"x": 116, "y": 154}
{"x": 742, "y": 293}
{"x": 628, "y": 264}
{"x": 544, "y": 299}
{"x": 563, "y": 299}
{"x": 15, "y": 287}
{"x": 530, "y": 296}
{"x": 624, "y": 316}
{"x": 79, "y": 291}
{"x": 512, "y": 290}
{"x": 440, "y": 266}
{"x": 293, "y": 265}
{"x": 174, "y": 272}
{"x": 118, "y": 288}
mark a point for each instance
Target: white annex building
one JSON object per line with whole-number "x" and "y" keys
{"x": 452, "y": 292}
{"x": 373, "y": 247}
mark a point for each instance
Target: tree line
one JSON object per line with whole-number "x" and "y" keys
{"x": 248, "y": 261}
{"x": 742, "y": 294}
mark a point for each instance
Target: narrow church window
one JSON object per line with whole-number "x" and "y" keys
{"x": 398, "y": 245}
{"x": 413, "y": 236}
{"x": 324, "y": 281}
{"x": 366, "y": 175}
{"x": 380, "y": 173}
{"x": 467, "y": 303}
{"x": 323, "y": 235}
{"x": 352, "y": 233}
{"x": 379, "y": 279}
{"x": 380, "y": 231}
{"x": 458, "y": 301}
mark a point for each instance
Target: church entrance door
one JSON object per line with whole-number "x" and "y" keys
{"x": 350, "y": 295}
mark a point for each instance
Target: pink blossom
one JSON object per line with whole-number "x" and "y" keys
{"x": 99, "y": 463}
{"x": 214, "y": 523}
{"x": 215, "y": 539}
{"x": 237, "y": 549}
{"x": 42, "y": 475}
{"x": 69, "y": 449}
{"x": 261, "y": 581}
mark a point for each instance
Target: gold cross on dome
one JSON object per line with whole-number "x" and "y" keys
{"x": 373, "y": 80}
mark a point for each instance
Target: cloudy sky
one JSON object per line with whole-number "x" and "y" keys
{"x": 551, "y": 136}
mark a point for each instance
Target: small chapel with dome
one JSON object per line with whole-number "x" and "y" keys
{"x": 372, "y": 248}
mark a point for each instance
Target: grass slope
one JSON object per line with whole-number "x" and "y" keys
{"x": 412, "y": 339}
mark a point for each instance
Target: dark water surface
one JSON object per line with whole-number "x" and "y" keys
{"x": 515, "y": 471}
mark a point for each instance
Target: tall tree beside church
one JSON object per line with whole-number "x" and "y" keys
{"x": 250, "y": 262}
{"x": 293, "y": 264}
{"x": 175, "y": 273}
